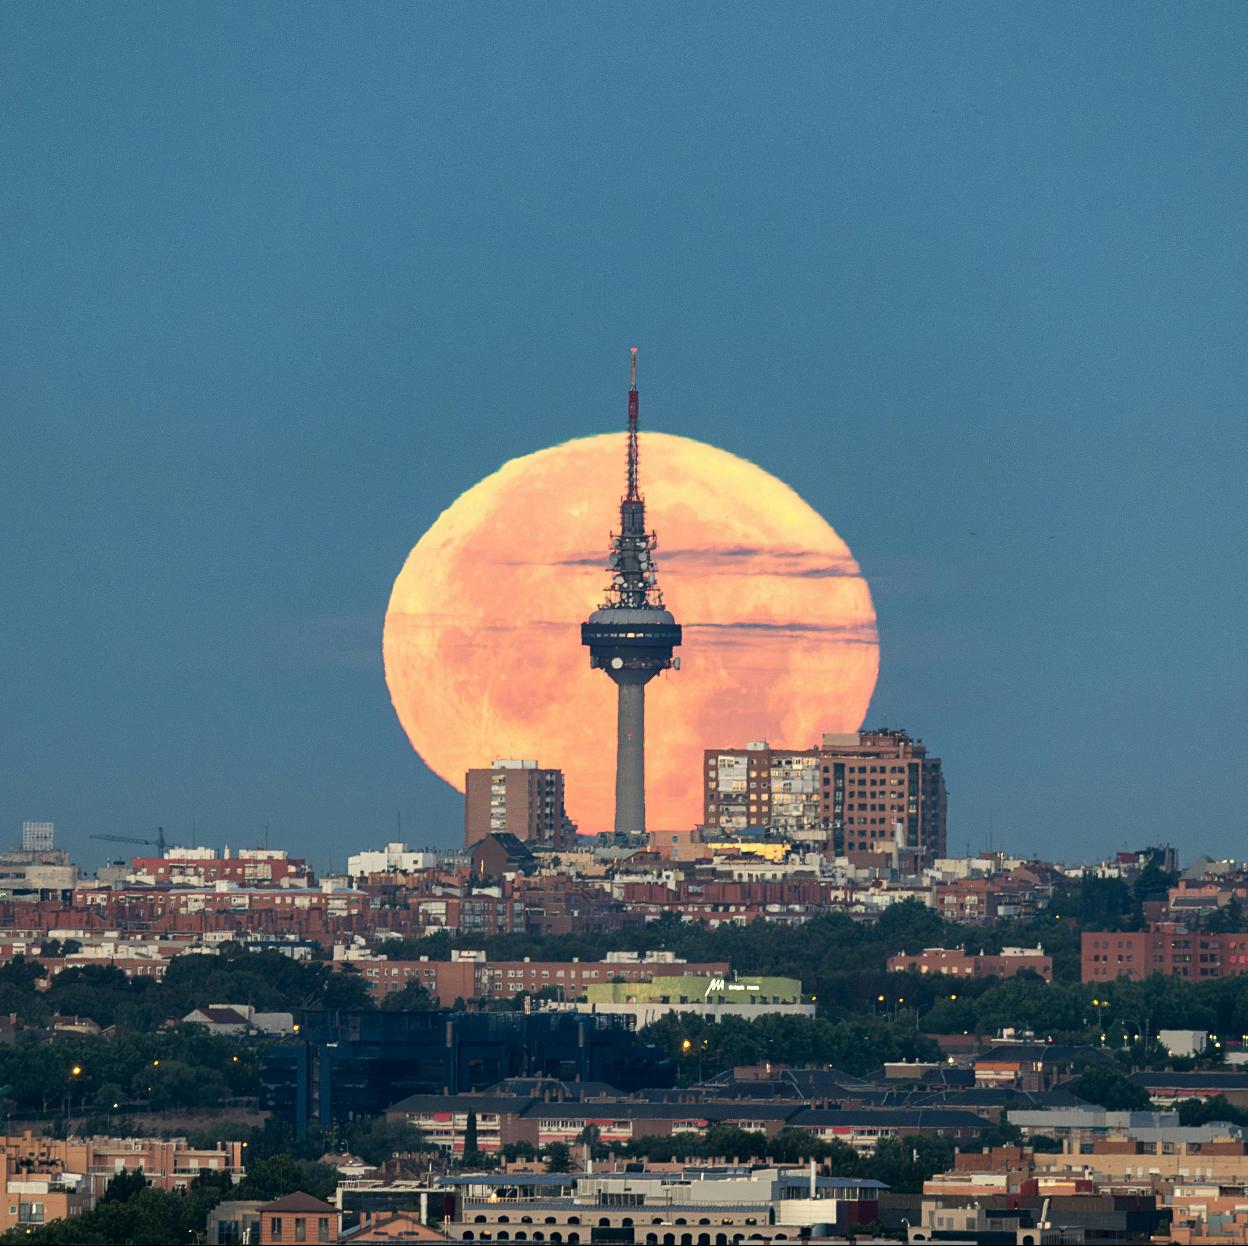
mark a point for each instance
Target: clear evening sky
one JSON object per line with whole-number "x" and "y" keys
{"x": 277, "y": 282}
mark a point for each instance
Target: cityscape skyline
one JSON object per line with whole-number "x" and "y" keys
{"x": 239, "y": 385}
{"x": 343, "y": 899}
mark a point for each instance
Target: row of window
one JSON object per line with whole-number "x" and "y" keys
{"x": 604, "y": 1222}
{"x": 301, "y": 1229}
{"x": 652, "y": 1239}
{"x": 727, "y": 762}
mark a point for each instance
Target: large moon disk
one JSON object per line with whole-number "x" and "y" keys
{"x": 482, "y": 644}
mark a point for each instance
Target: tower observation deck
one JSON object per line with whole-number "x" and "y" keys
{"x": 631, "y": 636}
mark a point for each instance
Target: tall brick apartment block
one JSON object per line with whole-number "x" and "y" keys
{"x": 861, "y": 791}
{"x": 518, "y": 797}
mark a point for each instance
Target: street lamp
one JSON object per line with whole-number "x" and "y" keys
{"x": 1100, "y": 1005}
{"x": 75, "y": 1072}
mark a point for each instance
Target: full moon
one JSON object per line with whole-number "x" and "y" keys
{"x": 482, "y": 644}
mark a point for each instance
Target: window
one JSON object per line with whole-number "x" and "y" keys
{"x": 275, "y": 1228}
{"x": 301, "y": 1229}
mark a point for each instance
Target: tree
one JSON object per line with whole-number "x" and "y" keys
{"x": 1105, "y": 1086}
{"x": 214, "y": 1179}
{"x": 1226, "y": 920}
{"x": 57, "y": 948}
{"x": 910, "y": 925}
{"x": 1152, "y": 882}
{"x": 704, "y": 1047}
{"x": 278, "y": 1175}
{"x": 343, "y": 989}
{"x": 793, "y": 1146}
{"x": 178, "y": 1083}
{"x": 1218, "y": 1108}
{"x": 1103, "y": 903}
{"x": 471, "y": 1154}
{"x": 587, "y": 1139}
{"x": 1001, "y": 1134}
{"x": 124, "y": 1186}
{"x": 148, "y": 1218}
{"x": 905, "y": 1163}
{"x": 558, "y": 1157}
{"x": 410, "y": 997}
{"x": 22, "y": 973}
{"x": 519, "y": 1150}
{"x": 95, "y": 991}
{"x": 435, "y": 946}
{"x": 376, "y": 1139}
{"x": 109, "y": 1094}
{"x": 733, "y": 1142}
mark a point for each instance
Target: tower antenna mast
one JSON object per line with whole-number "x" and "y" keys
{"x": 631, "y": 635}
{"x": 633, "y": 495}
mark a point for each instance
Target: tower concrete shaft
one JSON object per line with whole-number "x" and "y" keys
{"x": 630, "y": 755}
{"x": 631, "y": 636}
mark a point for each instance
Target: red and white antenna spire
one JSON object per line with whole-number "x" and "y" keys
{"x": 632, "y": 495}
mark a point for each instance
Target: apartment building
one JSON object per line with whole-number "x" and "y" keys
{"x": 28, "y": 874}
{"x": 1208, "y": 1214}
{"x": 297, "y": 1218}
{"x": 1166, "y": 948}
{"x": 468, "y": 975}
{"x": 978, "y": 901}
{"x": 518, "y": 797}
{"x": 1000, "y": 1194}
{"x": 503, "y": 1118}
{"x": 959, "y": 963}
{"x": 200, "y": 867}
{"x": 858, "y": 792}
{"x": 50, "y": 1178}
{"x": 1155, "y": 1159}
{"x": 37, "y": 1194}
{"x": 864, "y": 1128}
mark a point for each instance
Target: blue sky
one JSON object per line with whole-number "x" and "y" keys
{"x": 279, "y": 281}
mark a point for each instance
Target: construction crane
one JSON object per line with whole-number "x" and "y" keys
{"x": 158, "y": 843}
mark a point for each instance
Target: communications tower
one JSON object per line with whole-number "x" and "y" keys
{"x": 631, "y": 636}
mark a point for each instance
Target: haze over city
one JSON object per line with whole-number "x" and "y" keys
{"x": 281, "y": 284}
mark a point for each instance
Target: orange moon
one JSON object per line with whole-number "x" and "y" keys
{"x": 482, "y": 644}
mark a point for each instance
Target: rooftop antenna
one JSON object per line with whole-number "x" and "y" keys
{"x": 633, "y": 495}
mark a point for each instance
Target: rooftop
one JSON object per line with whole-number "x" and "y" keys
{"x": 299, "y": 1202}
